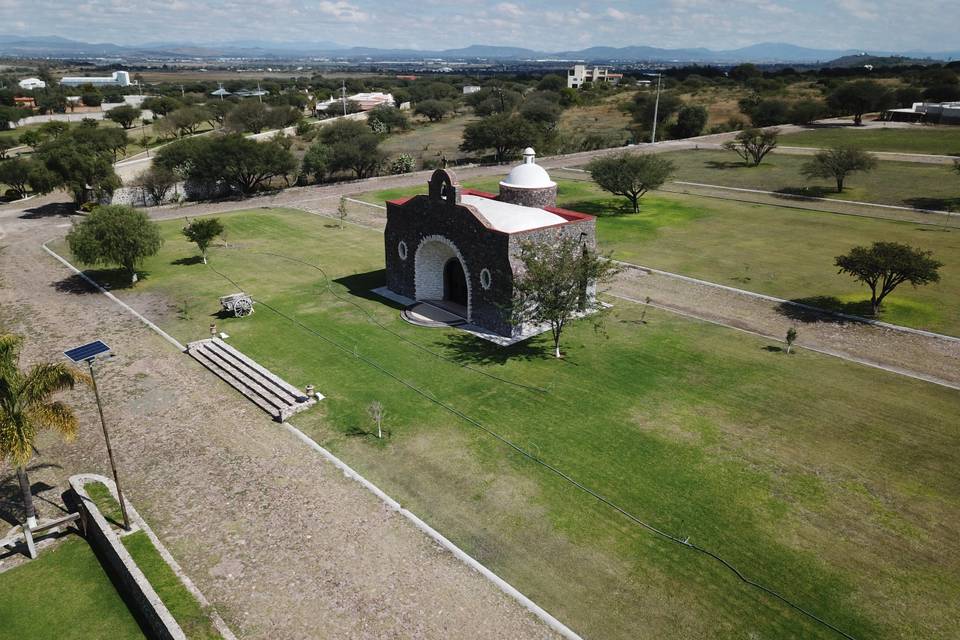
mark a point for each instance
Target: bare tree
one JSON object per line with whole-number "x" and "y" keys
{"x": 377, "y": 413}
{"x": 753, "y": 144}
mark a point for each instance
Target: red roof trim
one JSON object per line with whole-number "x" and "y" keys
{"x": 401, "y": 201}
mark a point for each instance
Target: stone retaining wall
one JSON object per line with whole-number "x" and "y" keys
{"x": 136, "y": 589}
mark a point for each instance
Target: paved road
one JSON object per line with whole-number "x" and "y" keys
{"x": 278, "y": 539}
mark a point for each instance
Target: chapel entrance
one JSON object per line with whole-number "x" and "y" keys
{"x": 454, "y": 282}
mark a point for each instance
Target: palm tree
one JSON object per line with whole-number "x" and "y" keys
{"x": 26, "y": 409}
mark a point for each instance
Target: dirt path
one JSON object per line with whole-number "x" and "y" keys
{"x": 277, "y": 538}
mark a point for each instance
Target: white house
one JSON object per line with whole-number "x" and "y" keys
{"x": 470, "y": 88}
{"x": 30, "y": 84}
{"x": 118, "y": 79}
{"x": 580, "y": 74}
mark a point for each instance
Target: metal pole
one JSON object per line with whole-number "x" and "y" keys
{"x": 106, "y": 437}
{"x": 656, "y": 109}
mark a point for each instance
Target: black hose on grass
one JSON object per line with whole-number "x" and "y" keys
{"x": 684, "y": 542}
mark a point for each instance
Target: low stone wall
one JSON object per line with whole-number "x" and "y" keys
{"x": 137, "y": 590}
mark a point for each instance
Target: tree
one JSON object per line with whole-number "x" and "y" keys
{"x": 115, "y": 234}
{"x": 23, "y": 174}
{"x": 541, "y": 110}
{"x": 859, "y": 97}
{"x": 389, "y": 118}
{"x": 124, "y": 115}
{"x": 643, "y": 107}
{"x": 434, "y": 110}
{"x": 81, "y": 167}
{"x": 5, "y": 145}
{"x": 33, "y": 138}
{"x": 806, "y": 111}
{"x": 26, "y": 408}
{"x": 691, "y": 119}
{"x": 91, "y": 99}
{"x": 156, "y": 182}
{"x": 342, "y": 211}
{"x": 161, "y": 105}
{"x": 353, "y": 147}
{"x": 217, "y": 111}
{"x": 201, "y": 232}
{"x": 54, "y": 129}
{"x": 377, "y": 413}
{"x": 753, "y": 144}
{"x": 505, "y": 134}
{"x": 316, "y": 161}
{"x": 765, "y": 113}
{"x": 790, "y": 338}
{"x": 743, "y": 72}
{"x": 246, "y": 164}
{"x": 555, "y": 282}
{"x": 186, "y": 120}
{"x": 249, "y": 115}
{"x": 886, "y": 265}
{"x": 552, "y": 82}
{"x": 630, "y": 175}
{"x": 838, "y": 163}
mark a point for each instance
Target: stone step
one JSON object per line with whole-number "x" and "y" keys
{"x": 200, "y": 355}
{"x": 284, "y": 392}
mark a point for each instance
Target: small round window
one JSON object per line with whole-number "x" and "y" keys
{"x": 402, "y": 250}
{"x": 485, "y": 278}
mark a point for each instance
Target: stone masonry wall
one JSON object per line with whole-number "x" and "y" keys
{"x": 538, "y": 198}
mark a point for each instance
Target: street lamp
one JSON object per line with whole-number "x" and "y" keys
{"x": 89, "y": 353}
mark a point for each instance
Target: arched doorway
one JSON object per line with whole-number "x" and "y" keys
{"x": 441, "y": 276}
{"x": 454, "y": 282}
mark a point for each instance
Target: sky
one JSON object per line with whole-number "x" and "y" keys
{"x": 546, "y": 25}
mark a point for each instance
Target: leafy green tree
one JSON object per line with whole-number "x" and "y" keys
{"x": 644, "y": 105}
{"x": 353, "y": 147}
{"x": 124, "y": 115}
{"x": 202, "y": 232}
{"x": 53, "y": 129}
{"x": 859, "y": 97}
{"x": 886, "y": 265}
{"x": 161, "y": 105}
{"x": 630, "y": 175}
{"x": 556, "y": 283}
{"x": 767, "y": 112}
{"x": 753, "y": 144}
{"x": 505, "y": 134}
{"x": 33, "y": 138}
{"x": 744, "y": 72}
{"x": 91, "y": 99}
{"x": 806, "y": 111}
{"x": 838, "y": 163}
{"x": 434, "y": 110}
{"x": 249, "y": 115}
{"x": 552, "y": 82}
{"x": 791, "y": 337}
{"x": 541, "y": 110}
{"x": 115, "y": 235}
{"x": 218, "y": 111}
{"x": 5, "y": 145}
{"x": 80, "y": 167}
{"x": 390, "y": 118}
{"x": 342, "y": 211}
{"x": 492, "y": 100}
{"x": 316, "y": 161}
{"x": 27, "y": 408}
{"x": 23, "y": 174}
{"x": 691, "y": 119}
{"x": 186, "y": 120}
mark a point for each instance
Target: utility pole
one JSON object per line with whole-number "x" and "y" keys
{"x": 182, "y": 92}
{"x": 343, "y": 95}
{"x": 259, "y": 94}
{"x": 106, "y": 437}
{"x": 656, "y": 109}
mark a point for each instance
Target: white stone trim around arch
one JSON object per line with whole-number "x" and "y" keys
{"x": 428, "y": 276}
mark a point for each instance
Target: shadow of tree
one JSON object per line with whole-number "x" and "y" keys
{"x": 51, "y": 210}
{"x": 823, "y": 305}
{"x": 814, "y": 191}
{"x": 603, "y": 208}
{"x": 187, "y": 261}
{"x": 724, "y": 165}
{"x": 11, "y": 499}
{"x": 467, "y": 348}
{"x": 937, "y": 204}
{"x": 773, "y": 349}
{"x": 110, "y": 279}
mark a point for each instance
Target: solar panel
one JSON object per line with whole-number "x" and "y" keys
{"x": 88, "y": 351}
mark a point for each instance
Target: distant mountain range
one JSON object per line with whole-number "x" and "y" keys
{"x": 768, "y": 52}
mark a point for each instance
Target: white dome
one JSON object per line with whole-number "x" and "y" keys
{"x": 528, "y": 175}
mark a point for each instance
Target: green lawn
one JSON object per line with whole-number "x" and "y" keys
{"x": 63, "y": 595}
{"x": 779, "y": 251}
{"x": 943, "y": 141}
{"x": 833, "y": 483}
{"x": 905, "y": 184}
{"x": 179, "y": 601}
